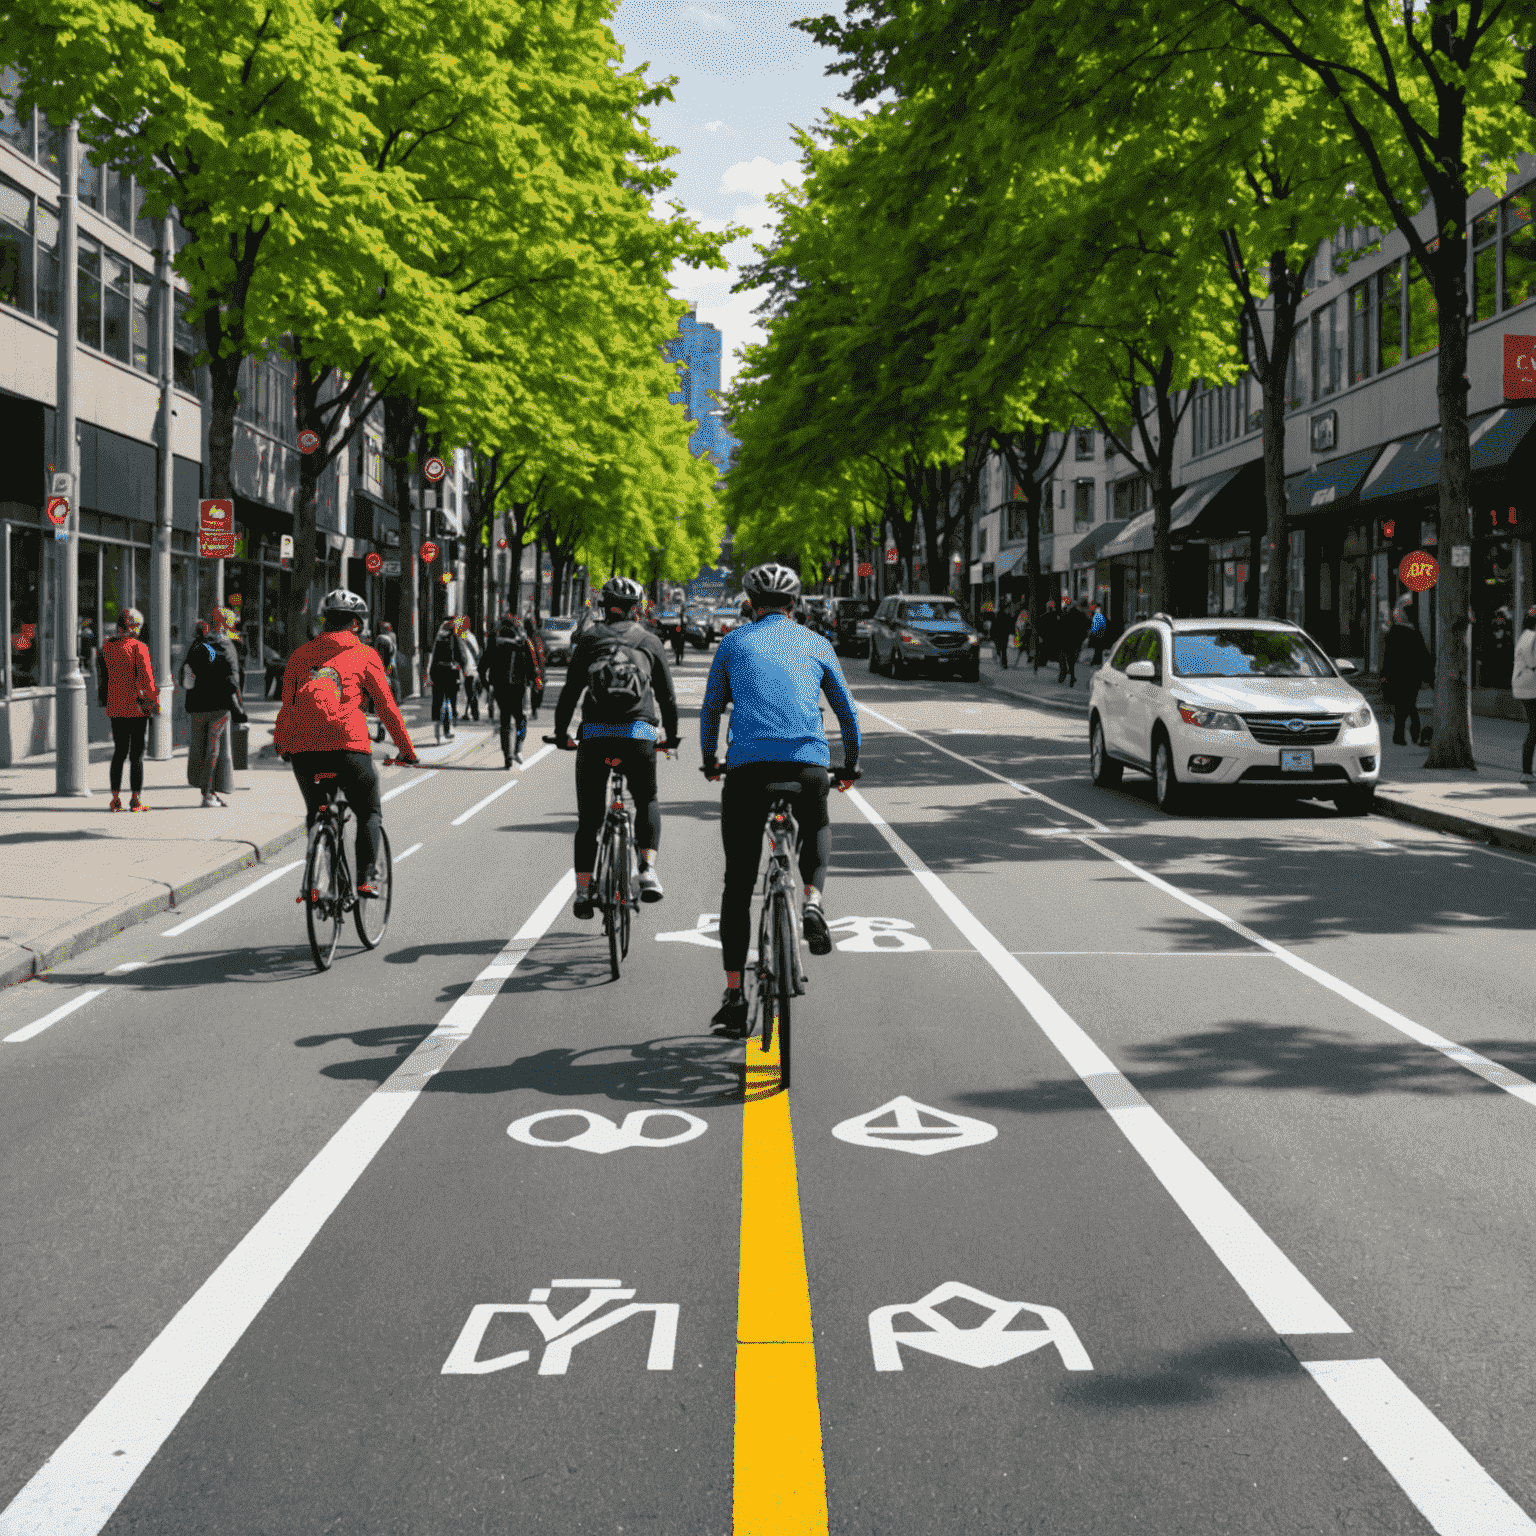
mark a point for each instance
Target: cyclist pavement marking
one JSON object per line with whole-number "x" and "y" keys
{"x": 230, "y": 901}
{"x": 27, "y": 1031}
{"x": 80, "y": 1486}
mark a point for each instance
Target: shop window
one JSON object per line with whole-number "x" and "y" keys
{"x": 1082, "y": 440}
{"x": 1519, "y": 249}
{"x": 1360, "y": 332}
{"x": 25, "y": 640}
{"x": 1082, "y": 503}
{"x": 1485, "y": 263}
{"x": 116, "y": 307}
{"x": 1301, "y": 363}
{"x": 1423, "y": 310}
{"x": 1389, "y": 317}
{"x": 47, "y": 270}
{"x": 15, "y": 247}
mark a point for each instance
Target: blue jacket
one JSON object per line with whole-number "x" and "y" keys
{"x": 773, "y": 673}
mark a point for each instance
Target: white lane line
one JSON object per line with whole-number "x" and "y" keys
{"x": 129, "y": 965}
{"x": 414, "y": 848}
{"x": 1151, "y": 954}
{"x": 1023, "y": 789}
{"x": 410, "y": 783}
{"x": 229, "y": 901}
{"x": 480, "y": 805}
{"x": 1430, "y": 1464}
{"x": 1489, "y": 1071}
{"x": 1287, "y": 1299}
{"x": 36, "y": 1028}
{"x": 79, "y": 1487}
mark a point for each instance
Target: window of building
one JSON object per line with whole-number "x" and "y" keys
{"x": 116, "y": 306}
{"x": 1017, "y": 523}
{"x": 1301, "y": 364}
{"x": 144, "y": 228}
{"x": 1083, "y": 442}
{"x": 15, "y": 247}
{"x": 117, "y": 197}
{"x": 1132, "y": 496}
{"x": 1082, "y": 503}
{"x": 25, "y": 647}
{"x": 14, "y": 129}
{"x": 981, "y": 541}
{"x": 1423, "y": 310}
{"x": 146, "y": 351}
{"x": 185, "y": 347}
{"x": 1327, "y": 351}
{"x": 1519, "y": 249}
{"x": 1389, "y": 317}
{"x": 47, "y": 269}
{"x": 1485, "y": 265}
{"x": 88, "y": 320}
{"x": 1360, "y": 332}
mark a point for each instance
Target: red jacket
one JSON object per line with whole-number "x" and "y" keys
{"x": 128, "y": 675}
{"x": 323, "y": 692}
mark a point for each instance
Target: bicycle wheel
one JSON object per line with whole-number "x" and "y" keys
{"x": 608, "y": 895}
{"x": 322, "y": 900}
{"x": 630, "y": 891}
{"x": 762, "y": 992}
{"x": 786, "y": 962}
{"x": 371, "y": 914}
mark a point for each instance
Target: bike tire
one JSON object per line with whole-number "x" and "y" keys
{"x": 786, "y": 963}
{"x": 630, "y": 893}
{"x": 322, "y": 902}
{"x": 608, "y": 894}
{"x": 371, "y": 914}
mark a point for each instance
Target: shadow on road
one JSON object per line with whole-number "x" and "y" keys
{"x": 1193, "y": 1375}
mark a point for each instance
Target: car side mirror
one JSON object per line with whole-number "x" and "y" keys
{"x": 1141, "y": 671}
{"x": 1344, "y": 664}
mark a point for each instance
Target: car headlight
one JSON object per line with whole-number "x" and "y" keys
{"x": 1361, "y": 716}
{"x": 907, "y": 637}
{"x": 975, "y": 639}
{"x": 1208, "y": 719}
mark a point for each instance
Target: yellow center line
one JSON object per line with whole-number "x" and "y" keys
{"x": 781, "y": 1482}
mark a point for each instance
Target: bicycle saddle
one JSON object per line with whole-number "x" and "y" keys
{"x": 784, "y": 789}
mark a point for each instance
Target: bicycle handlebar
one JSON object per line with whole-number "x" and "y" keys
{"x": 557, "y": 741}
{"x": 839, "y": 776}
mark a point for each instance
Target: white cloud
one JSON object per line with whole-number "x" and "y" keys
{"x": 760, "y": 176}
{"x": 715, "y": 126}
{"x": 706, "y": 21}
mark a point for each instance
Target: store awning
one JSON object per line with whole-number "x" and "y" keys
{"x": 1328, "y": 487}
{"x": 1194, "y": 502}
{"x": 1411, "y": 465}
{"x": 1091, "y": 546}
{"x": 1227, "y": 492}
{"x": 1009, "y": 560}
{"x": 1133, "y": 539}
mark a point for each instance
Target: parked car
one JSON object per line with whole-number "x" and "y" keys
{"x": 1245, "y": 704}
{"x": 726, "y": 619}
{"x": 912, "y": 631}
{"x": 558, "y": 637}
{"x": 848, "y": 624}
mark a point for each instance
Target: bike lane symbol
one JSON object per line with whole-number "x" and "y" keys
{"x": 989, "y": 1343}
{"x": 563, "y": 1333}
{"x": 603, "y": 1136}
{"x": 912, "y": 1127}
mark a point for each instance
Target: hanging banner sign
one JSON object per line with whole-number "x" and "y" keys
{"x": 58, "y": 510}
{"x": 1418, "y": 571}
{"x": 374, "y": 561}
{"x": 216, "y": 546}
{"x": 434, "y": 469}
{"x": 308, "y": 441}
{"x": 1520, "y": 367}
{"x": 428, "y": 552}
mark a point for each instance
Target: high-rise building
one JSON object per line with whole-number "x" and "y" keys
{"x": 697, "y": 348}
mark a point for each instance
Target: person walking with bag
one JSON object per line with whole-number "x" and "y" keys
{"x": 1523, "y": 686}
{"x": 1002, "y": 633}
{"x": 212, "y": 701}
{"x": 508, "y": 675}
{"x": 125, "y": 683}
{"x": 1047, "y": 635}
{"x": 1404, "y": 666}
{"x": 447, "y": 666}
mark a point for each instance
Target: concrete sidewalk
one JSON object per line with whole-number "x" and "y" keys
{"x": 1490, "y": 804}
{"x": 73, "y": 874}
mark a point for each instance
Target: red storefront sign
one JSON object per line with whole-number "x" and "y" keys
{"x": 865, "y": 568}
{"x": 374, "y": 561}
{"x": 428, "y": 552}
{"x": 891, "y": 557}
{"x": 1418, "y": 571}
{"x": 216, "y": 516}
{"x": 1520, "y": 367}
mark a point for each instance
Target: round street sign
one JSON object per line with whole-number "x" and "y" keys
{"x": 434, "y": 469}
{"x": 890, "y": 557}
{"x": 308, "y": 441}
{"x": 374, "y": 561}
{"x": 429, "y": 552}
{"x": 58, "y": 510}
{"x": 1419, "y": 571}
{"x": 865, "y": 568}
{"x": 501, "y": 543}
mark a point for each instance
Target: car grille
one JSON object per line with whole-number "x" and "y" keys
{"x": 1331, "y": 772}
{"x": 1277, "y": 731}
{"x": 947, "y": 642}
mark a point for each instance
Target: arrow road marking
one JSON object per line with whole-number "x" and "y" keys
{"x": 908, "y": 1131}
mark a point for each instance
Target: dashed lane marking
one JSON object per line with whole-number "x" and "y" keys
{"x": 29, "y": 1031}
{"x": 410, "y": 783}
{"x": 400, "y": 858}
{"x": 458, "y": 821}
{"x": 230, "y": 901}
{"x": 78, "y": 1488}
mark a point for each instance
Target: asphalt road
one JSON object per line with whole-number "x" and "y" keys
{"x": 1202, "y": 1145}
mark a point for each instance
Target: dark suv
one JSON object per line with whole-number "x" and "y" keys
{"x": 848, "y": 624}
{"x": 914, "y": 631}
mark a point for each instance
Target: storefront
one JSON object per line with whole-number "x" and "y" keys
{"x": 1091, "y": 574}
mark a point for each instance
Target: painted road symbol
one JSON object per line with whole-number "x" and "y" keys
{"x": 904, "y": 1125}
{"x": 562, "y": 1334}
{"x": 602, "y": 1135}
{"x": 702, "y": 933}
{"x": 865, "y": 935}
{"x": 990, "y": 1342}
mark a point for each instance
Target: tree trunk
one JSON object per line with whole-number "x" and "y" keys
{"x": 399, "y": 424}
{"x": 306, "y": 397}
{"x": 538, "y": 577}
{"x": 1285, "y": 292}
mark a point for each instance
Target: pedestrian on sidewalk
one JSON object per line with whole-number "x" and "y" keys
{"x": 125, "y": 688}
{"x": 388, "y": 648}
{"x": 1074, "y": 630}
{"x": 447, "y": 665}
{"x": 508, "y": 675}
{"x": 1022, "y": 632}
{"x": 471, "y": 651}
{"x": 1098, "y": 633}
{"x": 1404, "y": 666}
{"x": 212, "y": 701}
{"x": 1002, "y": 633}
{"x": 1047, "y": 635}
{"x": 1523, "y": 686}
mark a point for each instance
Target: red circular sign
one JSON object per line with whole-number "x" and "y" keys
{"x": 890, "y": 557}
{"x": 374, "y": 561}
{"x": 434, "y": 469}
{"x": 865, "y": 568}
{"x": 58, "y": 509}
{"x": 308, "y": 441}
{"x": 429, "y": 552}
{"x": 501, "y": 543}
{"x": 1418, "y": 571}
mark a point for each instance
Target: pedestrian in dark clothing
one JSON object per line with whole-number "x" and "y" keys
{"x": 1098, "y": 633}
{"x": 1404, "y": 667}
{"x": 509, "y": 672}
{"x": 1047, "y": 635}
{"x": 447, "y": 666}
{"x": 212, "y": 700}
{"x": 388, "y": 648}
{"x": 1074, "y": 630}
{"x": 1523, "y": 685}
{"x": 1002, "y": 633}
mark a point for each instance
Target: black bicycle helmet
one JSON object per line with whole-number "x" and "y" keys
{"x": 622, "y": 592}
{"x": 774, "y": 582}
{"x": 342, "y": 601}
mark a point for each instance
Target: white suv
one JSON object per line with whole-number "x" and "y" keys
{"x": 1240, "y": 703}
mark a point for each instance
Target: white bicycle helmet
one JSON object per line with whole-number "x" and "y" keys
{"x": 771, "y": 581}
{"x": 342, "y": 601}
{"x": 622, "y": 592}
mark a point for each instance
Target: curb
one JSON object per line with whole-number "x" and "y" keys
{"x": 1461, "y": 826}
{"x": 1076, "y": 707}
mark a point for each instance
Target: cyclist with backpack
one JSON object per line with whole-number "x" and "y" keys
{"x": 321, "y": 728}
{"x": 622, "y": 669}
{"x": 509, "y": 671}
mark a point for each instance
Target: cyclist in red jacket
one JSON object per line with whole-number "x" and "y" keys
{"x": 321, "y": 727}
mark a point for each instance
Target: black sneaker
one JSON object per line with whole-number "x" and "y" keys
{"x": 582, "y": 906}
{"x": 814, "y": 921}
{"x": 731, "y": 1019}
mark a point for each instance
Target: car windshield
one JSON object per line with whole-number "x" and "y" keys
{"x": 946, "y": 611}
{"x": 1247, "y": 653}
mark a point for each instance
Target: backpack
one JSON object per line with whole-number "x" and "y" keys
{"x": 619, "y": 676}
{"x": 445, "y": 654}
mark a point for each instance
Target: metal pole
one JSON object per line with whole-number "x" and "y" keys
{"x": 160, "y": 565}
{"x": 70, "y": 751}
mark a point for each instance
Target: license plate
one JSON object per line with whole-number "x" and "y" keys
{"x": 1296, "y": 760}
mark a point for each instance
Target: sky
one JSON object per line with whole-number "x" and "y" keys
{"x": 745, "y": 81}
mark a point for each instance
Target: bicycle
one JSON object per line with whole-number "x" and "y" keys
{"x": 328, "y": 893}
{"x": 616, "y": 874}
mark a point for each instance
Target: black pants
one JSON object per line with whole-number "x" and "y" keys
{"x": 445, "y": 687}
{"x": 472, "y": 697}
{"x": 638, "y": 760}
{"x": 678, "y": 641}
{"x": 1068, "y": 666}
{"x": 1097, "y": 647}
{"x": 128, "y": 742}
{"x": 1001, "y": 647}
{"x": 357, "y": 778}
{"x": 1405, "y": 709}
{"x": 1528, "y": 746}
{"x": 510, "y": 702}
{"x": 743, "y": 810}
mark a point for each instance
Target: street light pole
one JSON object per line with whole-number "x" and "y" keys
{"x": 160, "y": 567}
{"x": 69, "y": 724}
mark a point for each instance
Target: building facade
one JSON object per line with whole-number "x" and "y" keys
{"x": 697, "y": 351}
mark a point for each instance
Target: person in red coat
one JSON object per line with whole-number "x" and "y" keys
{"x": 126, "y": 689}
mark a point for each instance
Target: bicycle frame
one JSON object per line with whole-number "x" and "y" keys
{"x": 779, "y": 881}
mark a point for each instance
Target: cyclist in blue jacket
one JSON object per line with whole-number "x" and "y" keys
{"x": 772, "y": 673}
